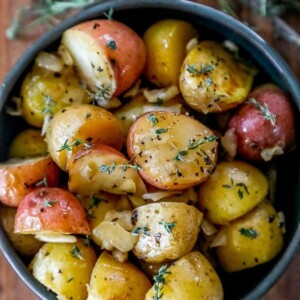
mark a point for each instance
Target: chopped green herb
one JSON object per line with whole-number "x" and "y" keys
{"x": 112, "y": 45}
{"x": 48, "y": 203}
{"x": 108, "y": 168}
{"x": 87, "y": 241}
{"x": 103, "y": 94}
{"x": 161, "y": 130}
{"x": 144, "y": 230}
{"x": 180, "y": 155}
{"x": 249, "y": 232}
{"x": 87, "y": 116}
{"x": 241, "y": 186}
{"x": 159, "y": 101}
{"x": 208, "y": 82}
{"x": 43, "y": 182}
{"x": 168, "y": 226}
{"x": 226, "y": 186}
{"x": 152, "y": 119}
{"x": 109, "y": 14}
{"x": 194, "y": 145}
{"x": 95, "y": 201}
{"x": 76, "y": 143}
{"x": 159, "y": 282}
{"x": 76, "y": 252}
{"x": 49, "y": 103}
{"x": 204, "y": 69}
{"x": 135, "y": 167}
{"x": 265, "y": 112}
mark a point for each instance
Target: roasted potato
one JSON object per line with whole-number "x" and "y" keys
{"x": 18, "y": 177}
{"x": 103, "y": 168}
{"x": 64, "y": 269}
{"x": 166, "y": 42}
{"x": 26, "y": 245}
{"x": 27, "y": 143}
{"x": 253, "y": 239}
{"x": 231, "y": 191}
{"x": 265, "y": 124}
{"x": 109, "y": 55}
{"x": 45, "y": 92}
{"x": 114, "y": 280}
{"x": 51, "y": 210}
{"x": 166, "y": 230}
{"x": 174, "y": 151}
{"x": 80, "y": 126}
{"x": 191, "y": 277}
{"x": 212, "y": 80}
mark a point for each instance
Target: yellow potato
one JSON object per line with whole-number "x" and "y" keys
{"x": 190, "y": 278}
{"x": 26, "y": 245}
{"x": 231, "y": 191}
{"x": 79, "y": 126}
{"x": 252, "y": 239}
{"x": 28, "y": 142}
{"x": 212, "y": 80}
{"x": 115, "y": 280}
{"x": 174, "y": 151}
{"x": 166, "y": 42}
{"x": 45, "y": 92}
{"x": 64, "y": 268}
{"x": 166, "y": 230}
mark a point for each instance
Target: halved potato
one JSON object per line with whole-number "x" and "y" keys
{"x": 115, "y": 280}
{"x": 79, "y": 126}
{"x": 174, "y": 151}
{"x": 108, "y": 54}
{"x": 64, "y": 269}
{"x": 166, "y": 230}
{"x": 103, "y": 168}
{"x": 51, "y": 210}
{"x": 18, "y": 177}
{"x": 212, "y": 80}
{"x": 192, "y": 277}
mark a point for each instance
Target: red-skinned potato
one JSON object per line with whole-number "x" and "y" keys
{"x": 264, "y": 125}
{"x": 107, "y": 53}
{"x": 103, "y": 168}
{"x": 18, "y": 177}
{"x": 50, "y": 211}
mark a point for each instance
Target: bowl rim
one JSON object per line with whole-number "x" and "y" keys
{"x": 202, "y": 11}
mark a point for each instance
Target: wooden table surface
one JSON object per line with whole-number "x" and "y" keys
{"x": 11, "y": 287}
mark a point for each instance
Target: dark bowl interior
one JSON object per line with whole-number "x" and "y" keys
{"x": 212, "y": 24}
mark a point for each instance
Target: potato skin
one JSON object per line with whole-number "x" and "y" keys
{"x": 158, "y": 244}
{"x": 26, "y": 245}
{"x": 167, "y": 159}
{"x": 127, "y": 58}
{"x": 63, "y": 272}
{"x": 255, "y": 132}
{"x": 231, "y": 191}
{"x": 191, "y": 277}
{"x": 18, "y": 177}
{"x": 112, "y": 280}
{"x": 223, "y": 87}
{"x": 166, "y": 42}
{"x": 64, "y": 214}
{"x": 243, "y": 251}
{"x": 86, "y": 123}
{"x": 63, "y": 88}
{"x": 28, "y": 143}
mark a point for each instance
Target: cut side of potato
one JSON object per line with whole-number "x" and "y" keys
{"x": 174, "y": 151}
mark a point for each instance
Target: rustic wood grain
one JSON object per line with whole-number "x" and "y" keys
{"x": 11, "y": 287}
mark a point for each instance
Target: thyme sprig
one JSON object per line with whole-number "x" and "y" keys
{"x": 241, "y": 186}
{"x": 112, "y": 167}
{"x": 160, "y": 282}
{"x": 68, "y": 147}
{"x": 42, "y": 182}
{"x": 144, "y": 230}
{"x": 168, "y": 226}
{"x": 204, "y": 69}
{"x": 75, "y": 252}
{"x": 264, "y": 109}
{"x": 48, "y": 203}
{"x": 102, "y": 95}
{"x": 152, "y": 119}
{"x": 49, "y": 103}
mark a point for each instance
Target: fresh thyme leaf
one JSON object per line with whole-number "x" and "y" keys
{"x": 135, "y": 167}
{"x": 112, "y": 45}
{"x": 109, "y": 14}
{"x": 48, "y": 203}
{"x": 264, "y": 109}
{"x": 194, "y": 145}
{"x": 144, "y": 230}
{"x": 95, "y": 201}
{"x": 159, "y": 282}
{"x": 244, "y": 186}
{"x": 241, "y": 186}
{"x": 204, "y": 69}
{"x": 168, "y": 226}
{"x": 43, "y": 182}
{"x": 152, "y": 119}
{"x": 249, "y": 232}
{"x": 103, "y": 94}
{"x": 226, "y": 186}
{"x": 75, "y": 252}
{"x": 240, "y": 193}
{"x": 161, "y": 130}
{"x": 108, "y": 168}
{"x": 208, "y": 82}
{"x": 49, "y": 103}
{"x": 76, "y": 143}
{"x": 180, "y": 155}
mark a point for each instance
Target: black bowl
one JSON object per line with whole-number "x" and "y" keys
{"x": 139, "y": 14}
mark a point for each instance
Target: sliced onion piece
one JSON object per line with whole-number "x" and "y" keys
{"x": 156, "y": 196}
{"x": 134, "y": 91}
{"x": 268, "y": 153}
{"x": 49, "y": 61}
{"x": 219, "y": 240}
{"x": 123, "y": 218}
{"x": 208, "y": 228}
{"x": 56, "y": 238}
{"x": 65, "y": 55}
{"x": 191, "y": 44}
{"x": 229, "y": 142}
{"x": 120, "y": 256}
{"x": 163, "y": 94}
